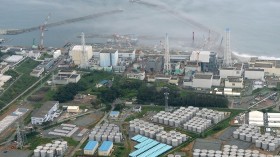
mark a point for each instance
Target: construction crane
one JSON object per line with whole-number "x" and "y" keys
{"x": 42, "y": 29}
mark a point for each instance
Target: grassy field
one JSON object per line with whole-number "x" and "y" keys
{"x": 22, "y": 83}
{"x": 145, "y": 109}
{"x": 35, "y": 140}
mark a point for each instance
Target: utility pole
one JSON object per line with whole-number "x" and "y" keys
{"x": 166, "y": 94}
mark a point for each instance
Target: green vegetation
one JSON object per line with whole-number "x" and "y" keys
{"x": 34, "y": 140}
{"x": 70, "y": 141}
{"x": 145, "y": 109}
{"x": 120, "y": 151}
{"x": 67, "y": 92}
{"x": 22, "y": 83}
{"x": 45, "y": 55}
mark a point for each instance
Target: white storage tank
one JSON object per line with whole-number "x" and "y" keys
{"x": 169, "y": 141}
{"x": 39, "y": 147}
{"x": 163, "y": 138}
{"x": 64, "y": 143}
{"x": 111, "y": 138}
{"x": 264, "y": 145}
{"x": 271, "y": 147}
{"x": 165, "y": 121}
{"x": 248, "y": 137}
{"x": 242, "y": 136}
{"x": 43, "y": 153}
{"x": 50, "y": 153}
{"x": 235, "y": 134}
{"x": 174, "y": 142}
{"x": 195, "y": 154}
{"x": 36, "y": 153}
{"x": 155, "y": 119}
{"x": 117, "y": 139}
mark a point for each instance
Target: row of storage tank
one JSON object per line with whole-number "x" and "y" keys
{"x": 229, "y": 151}
{"x": 157, "y": 132}
{"x": 57, "y": 148}
{"x": 214, "y": 116}
{"x": 144, "y": 128}
{"x": 251, "y": 133}
{"x": 172, "y": 138}
{"x": 197, "y": 124}
{"x": 106, "y": 132}
{"x": 176, "y": 118}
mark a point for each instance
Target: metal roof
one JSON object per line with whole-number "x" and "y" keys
{"x": 41, "y": 112}
{"x": 91, "y": 145}
{"x": 114, "y": 113}
{"x": 105, "y": 146}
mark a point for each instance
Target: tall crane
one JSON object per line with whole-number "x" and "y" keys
{"x": 42, "y": 29}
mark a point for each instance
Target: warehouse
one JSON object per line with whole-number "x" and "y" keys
{"x": 105, "y": 148}
{"x": 202, "y": 80}
{"x": 234, "y": 82}
{"x": 236, "y": 71}
{"x": 73, "y": 109}
{"x": 256, "y": 117}
{"x": 91, "y": 147}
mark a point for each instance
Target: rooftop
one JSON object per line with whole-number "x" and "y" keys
{"x": 44, "y": 109}
{"x": 105, "y": 146}
{"x": 216, "y": 77}
{"x": 114, "y": 112}
{"x": 80, "y": 47}
{"x": 108, "y": 51}
{"x": 203, "y": 76}
{"x": 234, "y": 79}
{"x": 254, "y": 69}
{"x": 91, "y": 145}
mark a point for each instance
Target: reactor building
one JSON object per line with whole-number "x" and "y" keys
{"x": 109, "y": 58}
{"x": 77, "y": 54}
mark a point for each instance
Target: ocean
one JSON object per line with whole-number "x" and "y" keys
{"x": 254, "y": 24}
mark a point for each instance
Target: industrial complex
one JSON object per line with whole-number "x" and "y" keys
{"x": 122, "y": 98}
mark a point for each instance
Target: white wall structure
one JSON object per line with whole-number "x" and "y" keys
{"x": 202, "y": 80}
{"x": 14, "y": 59}
{"x": 216, "y": 81}
{"x": 136, "y": 75}
{"x": 77, "y": 53}
{"x": 254, "y": 74}
{"x": 234, "y": 82}
{"x": 73, "y": 109}
{"x": 256, "y": 118}
{"x": 45, "y": 113}
{"x": 200, "y": 56}
{"x": 270, "y": 67}
{"x": 236, "y": 70}
{"x": 127, "y": 54}
{"x": 109, "y": 58}
{"x": 56, "y": 54}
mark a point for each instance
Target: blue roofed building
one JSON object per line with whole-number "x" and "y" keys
{"x": 105, "y": 149}
{"x": 91, "y": 147}
{"x": 114, "y": 114}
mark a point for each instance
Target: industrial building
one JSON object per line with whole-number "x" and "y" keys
{"x": 14, "y": 59}
{"x": 148, "y": 147}
{"x": 236, "y": 70}
{"x": 77, "y": 54}
{"x": 270, "y": 67}
{"x": 47, "y": 63}
{"x": 137, "y": 108}
{"x": 206, "y": 59}
{"x": 202, "y": 80}
{"x": 66, "y": 76}
{"x": 66, "y": 130}
{"x": 73, "y": 109}
{"x": 234, "y": 82}
{"x": 254, "y": 74}
{"x": 91, "y": 147}
{"x": 114, "y": 114}
{"x": 109, "y": 58}
{"x": 56, "y": 54}
{"x": 153, "y": 64}
{"x": 127, "y": 54}
{"x": 257, "y": 118}
{"x": 105, "y": 149}
{"x": 4, "y": 67}
{"x": 38, "y": 71}
{"x": 45, "y": 113}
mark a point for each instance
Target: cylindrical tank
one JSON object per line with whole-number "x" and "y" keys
{"x": 117, "y": 139}
{"x": 163, "y": 138}
{"x": 137, "y": 129}
{"x": 196, "y": 150}
{"x": 179, "y": 138}
{"x": 152, "y": 134}
{"x": 242, "y": 136}
{"x": 165, "y": 120}
{"x": 184, "y": 137}
{"x": 147, "y": 132}
{"x": 175, "y": 142}
{"x": 203, "y": 155}
{"x": 254, "y": 138}
{"x": 111, "y": 138}
{"x": 235, "y": 134}
{"x": 258, "y": 144}
{"x": 46, "y": 148}
{"x": 57, "y": 142}
{"x": 142, "y": 131}
{"x": 155, "y": 119}
{"x": 43, "y": 153}
{"x": 37, "y": 153}
{"x": 264, "y": 145}
{"x": 177, "y": 123}
{"x": 158, "y": 136}
{"x": 48, "y": 145}
{"x": 59, "y": 151}
{"x": 271, "y": 147}
{"x": 65, "y": 143}
{"x": 39, "y": 147}
{"x": 248, "y": 137}
{"x": 195, "y": 154}
{"x": 171, "y": 122}
{"x": 169, "y": 141}
{"x": 50, "y": 153}
{"x": 62, "y": 147}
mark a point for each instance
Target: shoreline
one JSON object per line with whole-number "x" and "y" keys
{"x": 246, "y": 57}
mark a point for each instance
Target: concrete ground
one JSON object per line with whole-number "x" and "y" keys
{"x": 15, "y": 153}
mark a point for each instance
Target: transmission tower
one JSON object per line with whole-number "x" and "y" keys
{"x": 167, "y": 67}
{"x": 20, "y": 138}
{"x": 227, "y": 52}
{"x": 84, "y": 63}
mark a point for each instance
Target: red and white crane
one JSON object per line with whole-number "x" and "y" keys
{"x": 42, "y": 29}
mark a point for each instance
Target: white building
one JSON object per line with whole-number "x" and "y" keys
{"x": 56, "y": 54}
{"x": 174, "y": 80}
{"x": 236, "y": 71}
{"x": 65, "y": 77}
{"x": 108, "y": 58}
{"x": 73, "y": 109}
{"x": 14, "y": 59}
{"x": 254, "y": 74}
{"x": 234, "y": 82}
{"x": 114, "y": 114}
{"x": 216, "y": 81}
{"x": 137, "y": 108}
{"x": 91, "y": 147}
{"x": 45, "y": 113}
{"x": 202, "y": 80}
{"x": 4, "y": 79}
{"x": 34, "y": 54}
{"x": 256, "y": 118}
{"x": 38, "y": 71}
{"x": 127, "y": 54}
{"x": 270, "y": 67}
{"x": 105, "y": 149}
{"x": 200, "y": 56}
{"x": 77, "y": 54}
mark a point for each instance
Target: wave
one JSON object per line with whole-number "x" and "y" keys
{"x": 247, "y": 56}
